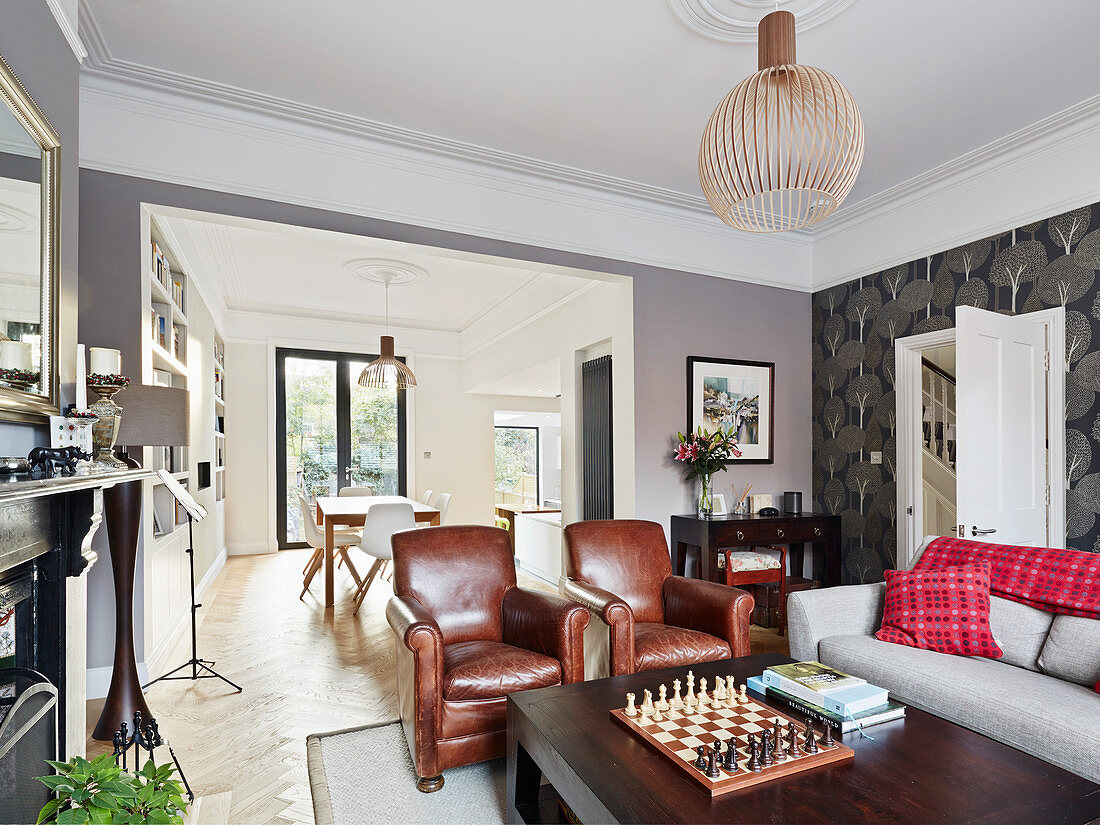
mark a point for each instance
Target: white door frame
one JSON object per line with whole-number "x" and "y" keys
{"x": 907, "y": 385}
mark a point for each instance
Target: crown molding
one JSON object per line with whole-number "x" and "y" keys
{"x": 1028, "y": 157}
{"x": 69, "y": 28}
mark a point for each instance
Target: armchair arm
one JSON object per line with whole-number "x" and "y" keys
{"x": 709, "y": 607}
{"x": 813, "y": 615}
{"x": 613, "y": 612}
{"x": 547, "y": 624}
{"x": 419, "y": 646}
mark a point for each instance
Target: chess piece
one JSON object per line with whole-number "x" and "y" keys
{"x": 742, "y": 694}
{"x": 777, "y": 741}
{"x": 657, "y": 715}
{"x": 754, "y": 756}
{"x": 700, "y": 762}
{"x": 630, "y": 709}
{"x": 719, "y": 688}
{"x": 662, "y": 702}
{"x": 810, "y": 744}
{"x": 677, "y": 700}
{"x": 731, "y": 693}
{"x": 712, "y": 766}
{"x": 827, "y": 735}
{"x": 703, "y": 698}
{"x": 792, "y": 740}
{"x": 767, "y": 759}
{"x": 647, "y": 703}
{"x": 729, "y": 761}
{"x": 691, "y": 684}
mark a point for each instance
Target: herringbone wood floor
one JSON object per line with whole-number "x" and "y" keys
{"x": 303, "y": 671}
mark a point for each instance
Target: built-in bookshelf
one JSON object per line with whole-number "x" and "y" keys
{"x": 218, "y": 351}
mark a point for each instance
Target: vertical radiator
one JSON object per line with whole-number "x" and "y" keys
{"x": 597, "y": 472}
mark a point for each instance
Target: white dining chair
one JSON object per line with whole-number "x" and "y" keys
{"x": 343, "y": 538}
{"x": 442, "y": 502}
{"x": 426, "y": 498}
{"x": 383, "y": 520}
{"x": 356, "y": 491}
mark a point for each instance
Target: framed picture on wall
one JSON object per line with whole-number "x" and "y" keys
{"x": 725, "y": 392}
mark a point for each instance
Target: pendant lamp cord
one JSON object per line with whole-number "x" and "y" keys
{"x": 387, "y": 307}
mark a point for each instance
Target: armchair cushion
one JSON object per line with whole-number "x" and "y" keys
{"x": 490, "y": 670}
{"x": 711, "y": 608}
{"x": 662, "y": 645}
{"x": 547, "y": 624}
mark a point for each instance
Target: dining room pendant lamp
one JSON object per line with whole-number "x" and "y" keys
{"x": 783, "y": 148}
{"x": 385, "y": 372}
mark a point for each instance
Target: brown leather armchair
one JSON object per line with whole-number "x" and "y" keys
{"x": 648, "y": 618}
{"x": 466, "y": 637}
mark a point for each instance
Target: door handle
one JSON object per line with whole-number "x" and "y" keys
{"x": 974, "y": 531}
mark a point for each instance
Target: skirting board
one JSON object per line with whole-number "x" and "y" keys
{"x": 251, "y": 548}
{"x": 99, "y": 678}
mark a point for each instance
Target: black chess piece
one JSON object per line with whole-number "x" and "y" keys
{"x": 701, "y": 762}
{"x": 792, "y": 739}
{"x": 754, "y": 756}
{"x": 767, "y": 759}
{"x": 729, "y": 761}
{"x": 827, "y": 736}
{"x": 777, "y": 740}
{"x": 712, "y": 766}
{"x": 810, "y": 745}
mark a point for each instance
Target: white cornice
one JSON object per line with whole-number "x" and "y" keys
{"x": 68, "y": 28}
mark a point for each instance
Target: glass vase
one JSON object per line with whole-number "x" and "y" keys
{"x": 706, "y": 498}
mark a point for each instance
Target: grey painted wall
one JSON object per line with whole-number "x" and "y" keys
{"x": 34, "y": 47}
{"x": 676, "y": 314}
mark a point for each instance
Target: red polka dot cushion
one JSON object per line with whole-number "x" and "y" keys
{"x": 945, "y": 610}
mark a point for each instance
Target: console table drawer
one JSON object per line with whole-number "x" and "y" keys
{"x": 766, "y": 533}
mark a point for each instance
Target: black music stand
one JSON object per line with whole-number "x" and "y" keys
{"x": 200, "y": 668}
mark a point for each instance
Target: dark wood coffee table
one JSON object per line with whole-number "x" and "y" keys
{"x": 922, "y": 769}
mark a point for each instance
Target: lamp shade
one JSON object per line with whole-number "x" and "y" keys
{"x": 385, "y": 372}
{"x": 154, "y": 416}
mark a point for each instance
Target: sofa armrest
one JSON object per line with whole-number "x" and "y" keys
{"x": 813, "y": 615}
{"x": 709, "y": 607}
{"x": 418, "y": 642}
{"x": 613, "y": 612}
{"x": 549, "y": 625}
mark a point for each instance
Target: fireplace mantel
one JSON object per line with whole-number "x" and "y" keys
{"x": 46, "y": 530}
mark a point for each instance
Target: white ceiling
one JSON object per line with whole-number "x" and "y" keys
{"x": 539, "y": 380}
{"x": 623, "y": 87}
{"x": 289, "y": 271}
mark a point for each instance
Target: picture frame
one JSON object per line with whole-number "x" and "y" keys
{"x": 730, "y": 391}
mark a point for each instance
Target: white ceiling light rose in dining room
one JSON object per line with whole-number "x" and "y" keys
{"x": 784, "y": 147}
{"x": 736, "y": 21}
{"x": 385, "y": 371}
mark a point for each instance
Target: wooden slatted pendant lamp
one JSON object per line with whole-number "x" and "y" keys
{"x": 385, "y": 372}
{"x": 783, "y": 149}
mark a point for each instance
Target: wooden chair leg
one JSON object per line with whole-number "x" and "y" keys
{"x": 343, "y": 551}
{"x": 314, "y": 566}
{"x": 361, "y": 593}
{"x": 317, "y": 551}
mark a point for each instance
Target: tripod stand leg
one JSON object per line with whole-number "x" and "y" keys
{"x": 215, "y": 673}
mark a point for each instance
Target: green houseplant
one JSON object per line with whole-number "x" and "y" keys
{"x": 704, "y": 454}
{"x": 99, "y": 791}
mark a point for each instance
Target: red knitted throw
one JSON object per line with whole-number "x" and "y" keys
{"x": 1058, "y": 581}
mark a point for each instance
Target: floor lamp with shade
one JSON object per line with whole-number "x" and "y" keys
{"x": 150, "y": 417}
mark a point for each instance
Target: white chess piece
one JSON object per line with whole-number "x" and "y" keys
{"x": 742, "y": 696}
{"x": 703, "y": 698}
{"x": 691, "y": 683}
{"x": 731, "y": 693}
{"x": 677, "y": 700}
{"x": 662, "y": 702}
{"x": 657, "y": 715}
{"x": 719, "y": 688}
{"x": 630, "y": 709}
{"x": 647, "y": 703}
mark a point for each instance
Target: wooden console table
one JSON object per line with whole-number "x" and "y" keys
{"x": 741, "y": 531}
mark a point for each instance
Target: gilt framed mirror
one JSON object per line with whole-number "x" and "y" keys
{"x": 29, "y": 210}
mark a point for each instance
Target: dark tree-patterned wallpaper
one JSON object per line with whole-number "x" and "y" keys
{"x": 1045, "y": 264}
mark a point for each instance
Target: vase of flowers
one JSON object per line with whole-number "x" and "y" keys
{"x": 704, "y": 454}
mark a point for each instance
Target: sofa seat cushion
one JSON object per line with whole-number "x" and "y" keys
{"x": 1072, "y": 650}
{"x": 1053, "y": 720}
{"x": 665, "y": 645}
{"x": 489, "y": 670}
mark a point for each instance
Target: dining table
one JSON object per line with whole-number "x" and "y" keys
{"x": 351, "y": 511}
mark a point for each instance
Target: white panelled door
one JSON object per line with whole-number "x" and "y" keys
{"x": 1001, "y": 428}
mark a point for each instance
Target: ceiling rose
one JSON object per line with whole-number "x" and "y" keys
{"x": 384, "y": 271}
{"x": 735, "y": 21}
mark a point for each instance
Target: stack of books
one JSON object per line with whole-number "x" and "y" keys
{"x": 837, "y": 699}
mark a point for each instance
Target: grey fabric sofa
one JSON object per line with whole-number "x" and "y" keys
{"x": 1037, "y": 698}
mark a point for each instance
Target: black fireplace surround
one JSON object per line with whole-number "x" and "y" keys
{"x": 46, "y": 529}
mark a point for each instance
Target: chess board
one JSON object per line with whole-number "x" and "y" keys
{"x": 676, "y": 738}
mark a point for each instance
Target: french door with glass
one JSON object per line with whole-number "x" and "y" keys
{"x": 332, "y": 433}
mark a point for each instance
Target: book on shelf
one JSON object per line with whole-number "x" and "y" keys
{"x": 175, "y": 341}
{"x": 843, "y": 724}
{"x": 177, "y": 291}
{"x": 826, "y": 687}
{"x": 161, "y": 331}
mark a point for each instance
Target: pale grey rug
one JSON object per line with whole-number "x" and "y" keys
{"x": 365, "y": 775}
